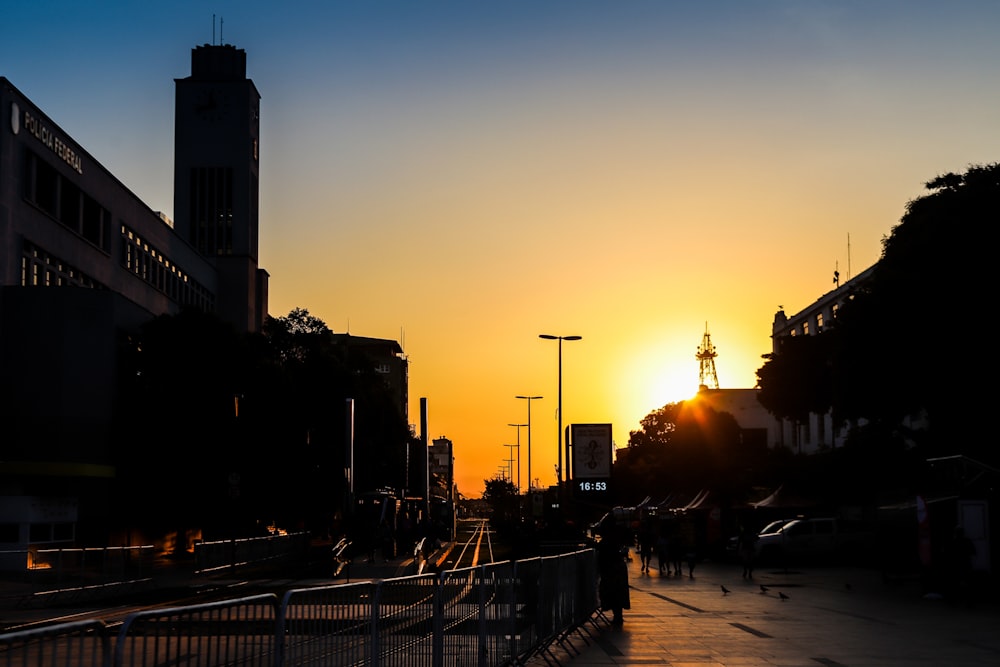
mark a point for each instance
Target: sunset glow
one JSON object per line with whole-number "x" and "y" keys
{"x": 464, "y": 176}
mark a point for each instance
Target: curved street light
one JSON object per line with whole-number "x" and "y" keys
{"x": 529, "y": 399}
{"x": 559, "y": 408}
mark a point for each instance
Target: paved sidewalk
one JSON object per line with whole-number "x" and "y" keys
{"x": 833, "y": 617}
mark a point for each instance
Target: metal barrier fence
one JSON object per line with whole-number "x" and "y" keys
{"x": 79, "y": 564}
{"x": 230, "y": 632}
{"x": 220, "y": 554}
{"x": 490, "y": 615}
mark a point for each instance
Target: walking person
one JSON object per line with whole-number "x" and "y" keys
{"x": 646, "y": 540}
{"x": 663, "y": 548}
{"x": 612, "y": 568}
{"x": 689, "y": 543}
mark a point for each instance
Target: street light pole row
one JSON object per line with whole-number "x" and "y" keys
{"x": 529, "y": 399}
{"x": 510, "y": 463}
{"x": 559, "y": 409}
{"x": 518, "y": 445}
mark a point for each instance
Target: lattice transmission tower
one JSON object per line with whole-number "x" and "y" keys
{"x": 707, "y": 379}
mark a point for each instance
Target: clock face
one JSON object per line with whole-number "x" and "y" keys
{"x": 212, "y": 104}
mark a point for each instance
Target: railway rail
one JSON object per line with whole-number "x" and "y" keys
{"x": 481, "y": 613}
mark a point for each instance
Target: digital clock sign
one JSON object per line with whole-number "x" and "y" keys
{"x": 586, "y": 486}
{"x": 591, "y": 459}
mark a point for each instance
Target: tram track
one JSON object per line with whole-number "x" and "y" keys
{"x": 473, "y": 546}
{"x": 472, "y": 534}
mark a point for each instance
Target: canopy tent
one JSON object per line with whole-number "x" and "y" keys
{"x": 781, "y": 499}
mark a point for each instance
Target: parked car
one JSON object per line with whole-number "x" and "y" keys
{"x": 732, "y": 544}
{"x": 773, "y": 527}
{"x": 811, "y": 539}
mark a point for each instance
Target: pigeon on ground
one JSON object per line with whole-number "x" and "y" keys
{"x": 724, "y": 589}
{"x": 763, "y": 588}
{"x": 782, "y": 596}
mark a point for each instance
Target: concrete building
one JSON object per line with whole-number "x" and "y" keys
{"x": 756, "y": 424}
{"x": 818, "y": 432}
{"x": 389, "y": 362}
{"x": 84, "y": 262}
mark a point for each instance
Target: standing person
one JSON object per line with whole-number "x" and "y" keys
{"x": 746, "y": 547}
{"x": 384, "y": 538}
{"x": 689, "y": 543}
{"x": 663, "y": 548}
{"x": 960, "y": 555}
{"x": 612, "y": 568}
{"x": 676, "y": 546}
{"x": 645, "y": 544}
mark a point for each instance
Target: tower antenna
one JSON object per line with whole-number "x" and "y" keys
{"x": 707, "y": 379}
{"x": 848, "y": 256}
{"x": 213, "y": 29}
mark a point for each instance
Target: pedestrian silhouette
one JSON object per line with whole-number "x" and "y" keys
{"x": 663, "y": 548}
{"x": 746, "y": 548}
{"x": 612, "y": 548}
{"x": 646, "y": 543}
{"x": 960, "y": 554}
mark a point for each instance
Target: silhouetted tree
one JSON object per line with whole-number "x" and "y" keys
{"x": 501, "y": 496}
{"x": 176, "y": 445}
{"x": 686, "y": 446}
{"x": 906, "y": 344}
{"x": 798, "y": 379}
{"x": 319, "y": 378}
{"x": 226, "y": 433}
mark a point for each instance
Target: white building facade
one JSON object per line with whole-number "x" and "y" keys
{"x": 818, "y": 432}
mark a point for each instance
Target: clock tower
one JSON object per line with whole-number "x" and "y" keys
{"x": 217, "y": 175}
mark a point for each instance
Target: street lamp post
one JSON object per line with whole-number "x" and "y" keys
{"x": 518, "y": 427}
{"x": 511, "y": 462}
{"x": 559, "y": 408}
{"x": 529, "y": 399}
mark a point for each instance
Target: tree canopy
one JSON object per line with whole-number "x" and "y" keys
{"x": 251, "y": 429}
{"x": 686, "y": 446}
{"x": 906, "y": 344}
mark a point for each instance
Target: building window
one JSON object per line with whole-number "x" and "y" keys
{"x": 96, "y": 223}
{"x": 155, "y": 269}
{"x": 212, "y": 210}
{"x": 819, "y": 322}
{"x": 805, "y": 328}
{"x": 64, "y": 201}
{"x": 39, "y": 268}
{"x": 63, "y": 532}
{"x": 42, "y": 183}
{"x": 40, "y": 533}
{"x": 10, "y": 533}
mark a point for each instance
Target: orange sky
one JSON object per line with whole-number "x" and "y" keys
{"x": 463, "y": 176}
